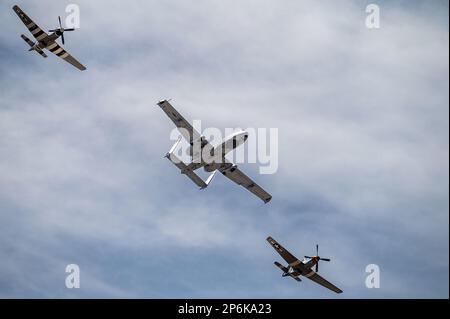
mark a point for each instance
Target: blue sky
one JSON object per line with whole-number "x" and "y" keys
{"x": 363, "y": 149}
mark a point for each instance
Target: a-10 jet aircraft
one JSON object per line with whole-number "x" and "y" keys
{"x": 211, "y": 158}
{"x": 297, "y": 268}
{"x": 47, "y": 41}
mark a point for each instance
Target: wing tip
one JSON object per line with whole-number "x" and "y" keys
{"x": 161, "y": 102}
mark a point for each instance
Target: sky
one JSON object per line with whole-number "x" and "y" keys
{"x": 363, "y": 149}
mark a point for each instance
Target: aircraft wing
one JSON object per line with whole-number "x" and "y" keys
{"x": 237, "y": 176}
{"x": 185, "y": 128}
{"x": 322, "y": 281}
{"x": 56, "y": 49}
{"x": 32, "y": 27}
{"x": 290, "y": 259}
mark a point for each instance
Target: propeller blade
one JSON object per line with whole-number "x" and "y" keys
{"x": 62, "y": 38}
{"x": 59, "y": 19}
{"x": 317, "y": 267}
{"x": 325, "y": 259}
{"x": 317, "y": 250}
{"x": 308, "y": 257}
{"x": 71, "y": 29}
{"x": 51, "y": 30}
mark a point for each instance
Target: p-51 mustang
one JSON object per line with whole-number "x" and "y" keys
{"x": 211, "y": 158}
{"x": 47, "y": 41}
{"x": 297, "y": 268}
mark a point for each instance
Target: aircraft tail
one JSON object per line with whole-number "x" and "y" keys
{"x": 33, "y": 47}
{"x": 185, "y": 170}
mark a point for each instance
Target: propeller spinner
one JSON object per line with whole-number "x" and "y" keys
{"x": 61, "y": 30}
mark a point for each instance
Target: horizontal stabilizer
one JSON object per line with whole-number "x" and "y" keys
{"x": 33, "y": 47}
{"x": 286, "y": 272}
{"x": 284, "y": 269}
{"x": 195, "y": 178}
{"x": 184, "y": 170}
{"x": 30, "y": 43}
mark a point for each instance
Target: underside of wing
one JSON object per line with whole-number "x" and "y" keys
{"x": 237, "y": 176}
{"x": 37, "y": 32}
{"x": 56, "y": 49}
{"x": 290, "y": 259}
{"x": 322, "y": 281}
{"x": 185, "y": 128}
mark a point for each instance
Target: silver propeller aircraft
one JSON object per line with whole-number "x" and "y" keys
{"x": 297, "y": 268}
{"x": 211, "y": 158}
{"x": 47, "y": 41}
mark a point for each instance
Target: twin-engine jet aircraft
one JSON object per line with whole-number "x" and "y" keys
{"x": 47, "y": 41}
{"x": 297, "y": 268}
{"x": 211, "y": 158}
